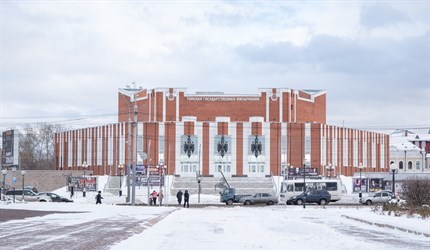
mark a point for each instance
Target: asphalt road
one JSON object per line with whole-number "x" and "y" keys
{"x": 17, "y": 233}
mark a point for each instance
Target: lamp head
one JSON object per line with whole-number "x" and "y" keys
{"x": 393, "y": 166}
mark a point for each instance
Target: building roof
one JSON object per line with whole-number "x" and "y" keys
{"x": 402, "y": 140}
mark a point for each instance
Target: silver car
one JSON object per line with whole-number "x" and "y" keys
{"x": 378, "y": 197}
{"x": 259, "y": 198}
{"x": 29, "y": 195}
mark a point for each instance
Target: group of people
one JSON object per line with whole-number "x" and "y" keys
{"x": 155, "y": 196}
{"x": 160, "y": 196}
{"x": 186, "y": 198}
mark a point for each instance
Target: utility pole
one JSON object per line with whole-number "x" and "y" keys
{"x": 128, "y": 154}
{"x": 148, "y": 175}
{"x": 133, "y": 197}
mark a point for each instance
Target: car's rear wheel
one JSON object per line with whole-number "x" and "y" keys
{"x": 299, "y": 202}
{"x": 247, "y": 202}
{"x": 270, "y": 203}
{"x": 323, "y": 202}
{"x": 230, "y": 202}
{"x": 368, "y": 202}
{"x": 42, "y": 201}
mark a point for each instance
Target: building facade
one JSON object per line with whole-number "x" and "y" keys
{"x": 275, "y": 131}
{"x": 410, "y": 152}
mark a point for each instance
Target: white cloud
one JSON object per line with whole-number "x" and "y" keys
{"x": 71, "y": 57}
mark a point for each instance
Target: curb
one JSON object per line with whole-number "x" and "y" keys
{"x": 386, "y": 226}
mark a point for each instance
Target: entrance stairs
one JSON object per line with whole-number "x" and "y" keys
{"x": 112, "y": 185}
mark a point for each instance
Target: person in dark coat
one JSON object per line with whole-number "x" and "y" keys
{"x": 179, "y": 196}
{"x": 99, "y": 198}
{"x": 186, "y": 198}
{"x": 72, "y": 191}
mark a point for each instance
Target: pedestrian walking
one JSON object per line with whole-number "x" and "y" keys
{"x": 186, "y": 199}
{"x": 99, "y": 198}
{"x": 179, "y": 197}
{"x": 160, "y": 197}
{"x": 154, "y": 196}
{"x": 72, "y": 191}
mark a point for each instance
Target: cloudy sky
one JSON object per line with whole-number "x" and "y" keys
{"x": 63, "y": 61}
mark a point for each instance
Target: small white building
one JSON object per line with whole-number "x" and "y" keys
{"x": 410, "y": 151}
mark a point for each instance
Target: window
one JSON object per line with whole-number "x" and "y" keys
{"x": 262, "y": 168}
{"x": 418, "y": 165}
{"x": 384, "y": 194}
{"x": 400, "y": 164}
{"x": 409, "y": 165}
{"x": 331, "y": 186}
{"x": 184, "y": 168}
{"x": 161, "y": 148}
{"x": 299, "y": 187}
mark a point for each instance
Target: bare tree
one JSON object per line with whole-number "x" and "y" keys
{"x": 417, "y": 192}
{"x": 37, "y": 146}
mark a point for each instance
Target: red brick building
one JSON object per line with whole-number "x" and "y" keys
{"x": 244, "y": 135}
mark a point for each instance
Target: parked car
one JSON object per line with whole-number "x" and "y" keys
{"x": 29, "y": 195}
{"x": 56, "y": 197}
{"x": 259, "y": 198}
{"x": 321, "y": 197}
{"x": 378, "y": 197}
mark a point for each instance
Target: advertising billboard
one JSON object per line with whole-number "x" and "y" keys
{"x": 10, "y": 151}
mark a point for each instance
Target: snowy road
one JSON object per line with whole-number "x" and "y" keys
{"x": 274, "y": 227}
{"x": 271, "y": 228}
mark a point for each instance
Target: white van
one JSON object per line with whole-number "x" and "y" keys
{"x": 290, "y": 188}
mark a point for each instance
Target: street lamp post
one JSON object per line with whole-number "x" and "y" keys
{"x": 304, "y": 183}
{"x": 161, "y": 167}
{"x": 23, "y": 174}
{"x": 4, "y": 172}
{"x": 393, "y": 167}
{"x": 120, "y": 167}
{"x": 84, "y": 190}
{"x": 199, "y": 180}
{"x": 360, "y": 167}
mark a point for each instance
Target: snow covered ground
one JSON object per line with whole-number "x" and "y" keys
{"x": 114, "y": 226}
{"x": 235, "y": 227}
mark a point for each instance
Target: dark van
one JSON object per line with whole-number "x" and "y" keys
{"x": 321, "y": 197}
